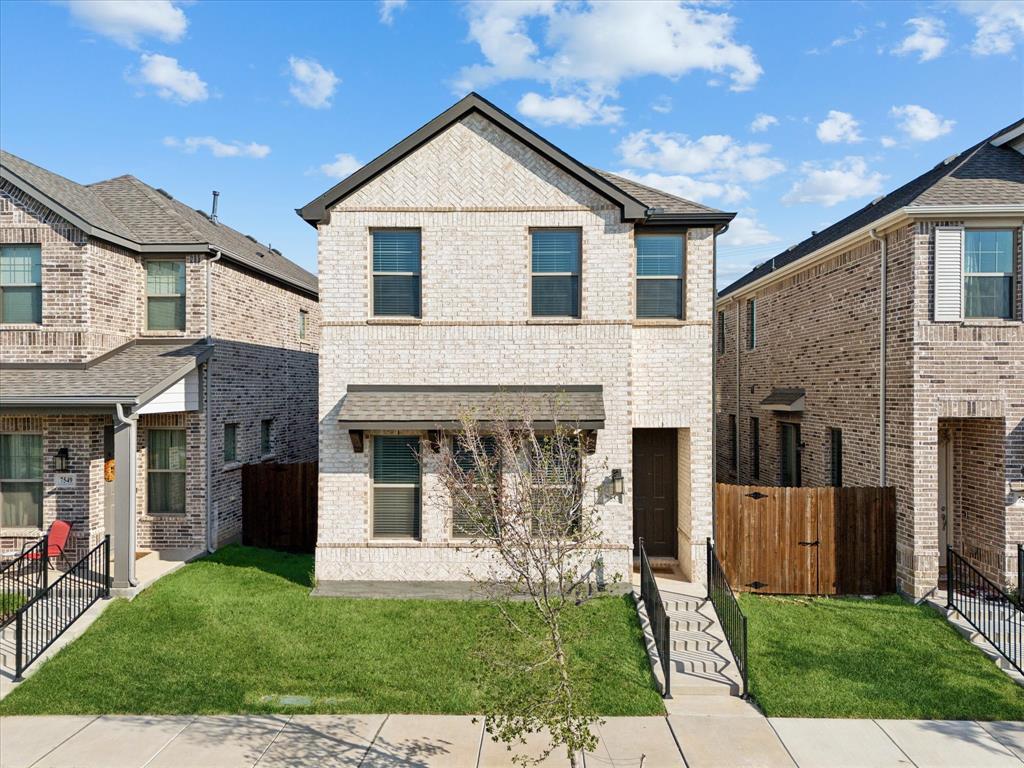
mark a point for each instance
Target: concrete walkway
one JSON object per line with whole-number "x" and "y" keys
{"x": 717, "y": 733}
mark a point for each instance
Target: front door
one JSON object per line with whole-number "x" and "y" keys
{"x": 790, "y": 455}
{"x": 655, "y": 489}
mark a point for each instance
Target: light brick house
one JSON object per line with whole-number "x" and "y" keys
{"x": 474, "y": 261}
{"x": 147, "y": 351}
{"x": 800, "y": 363}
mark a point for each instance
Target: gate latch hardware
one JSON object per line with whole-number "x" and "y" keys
{"x": 809, "y": 543}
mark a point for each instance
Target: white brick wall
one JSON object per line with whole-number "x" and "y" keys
{"x": 475, "y": 193}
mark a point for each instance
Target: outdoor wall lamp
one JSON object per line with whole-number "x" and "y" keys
{"x": 60, "y": 461}
{"x": 618, "y": 484}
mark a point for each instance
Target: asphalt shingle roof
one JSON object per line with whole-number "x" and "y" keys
{"x": 654, "y": 198}
{"x": 435, "y": 407}
{"x": 982, "y": 175}
{"x": 132, "y": 210}
{"x": 126, "y": 375}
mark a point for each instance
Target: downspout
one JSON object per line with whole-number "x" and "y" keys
{"x": 882, "y": 337}
{"x": 211, "y": 543}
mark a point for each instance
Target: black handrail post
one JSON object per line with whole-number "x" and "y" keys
{"x": 1020, "y": 575}
{"x": 950, "y": 581}
{"x": 745, "y": 656}
{"x": 45, "y": 560}
{"x": 707, "y": 555}
{"x": 18, "y": 647}
{"x": 106, "y": 566}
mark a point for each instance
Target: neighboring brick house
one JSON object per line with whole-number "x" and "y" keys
{"x": 147, "y": 351}
{"x": 799, "y": 362}
{"x": 475, "y": 264}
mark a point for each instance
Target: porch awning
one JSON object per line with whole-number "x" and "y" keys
{"x": 784, "y": 399}
{"x": 394, "y": 407}
{"x": 131, "y": 375}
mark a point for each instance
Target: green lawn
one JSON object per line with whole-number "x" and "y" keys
{"x": 225, "y": 632}
{"x": 884, "y": 658}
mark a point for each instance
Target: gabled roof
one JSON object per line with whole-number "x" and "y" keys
{"x": 635, "y": 201}
{"x": 141, "y": 218}
{"x": 983, "y": 175}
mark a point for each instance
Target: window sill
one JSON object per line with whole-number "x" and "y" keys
{"x": 642, "y": 322}
{"x": 990, "y": 322}
{"x": 162, "y": 334}
{"x": 266, "y": 457}
{"x": 554, "y": 321}
{"x": 21, "y": 326}
{"x": 394, "y": 320}
{"x": 230, "y": 466}
{"x": 168, "y": 513}
{"x": 20, "y": 533}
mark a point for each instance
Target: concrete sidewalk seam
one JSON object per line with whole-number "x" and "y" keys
{"x": 55, "y": 746}
{"x": 781, "y": 741}
{"x": 889, "y": 736}
{"x": 374, "y": 740}
{"x": 676, "y": 740}
{"x": 279, "y": 732}
{"x": 168, "y": 742}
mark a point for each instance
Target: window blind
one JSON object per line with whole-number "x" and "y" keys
{"x": 396, "y": 273}
{"x": 556, "y": 273}
{"x": 165, "y": 295}
{"x": 396, "y": 486}
{"x": 21, "y": 480}
{"x": 659, "y": 272}
{"x": 465, "y": 460}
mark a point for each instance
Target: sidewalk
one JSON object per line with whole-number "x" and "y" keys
{"x": 722, "y": 732}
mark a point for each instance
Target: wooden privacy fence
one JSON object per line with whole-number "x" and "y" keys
{"x": 807, "y": 541}
{"x": 279, "y": 506}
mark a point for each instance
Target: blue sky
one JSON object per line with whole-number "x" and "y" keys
{"x": 792, "y": 114}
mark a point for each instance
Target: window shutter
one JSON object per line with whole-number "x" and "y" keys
{"x": 949, "y": 282}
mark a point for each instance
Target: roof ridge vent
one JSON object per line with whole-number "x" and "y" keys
{"x": 791, "y": 247}
{"x": 877, "y": 200}
{"x": 950, "y": 159}
{"x": 164, "y": 192}
{"x": 277, "y": 251}
{"x": 252, "y": 238}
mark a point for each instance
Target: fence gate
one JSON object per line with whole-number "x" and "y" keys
{"x": 807, "y": 541}
{"x": 279, "y": 506}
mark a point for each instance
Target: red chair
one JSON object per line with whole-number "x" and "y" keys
{"x": 56, "y": 543}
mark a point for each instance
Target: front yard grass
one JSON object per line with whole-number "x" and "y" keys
{"x": 880, "y": 658}
{"x": 237, "y": 631}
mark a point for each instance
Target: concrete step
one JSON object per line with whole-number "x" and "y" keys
{"x": 693, "y": 684}
{"x": 683, "y": 604}
{"x": 693, "y": 641}
{"x": 689, "y": 622}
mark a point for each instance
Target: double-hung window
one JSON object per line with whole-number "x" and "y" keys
{"x": 396, "y": 487}
{"x": 659, "y": 276}
{"x": 396, "y": 273}
{"x": 555, "y": 277}
{"x": 21, "y": 284}
{"x": 303, "y": 322}
{"x": 21, "y": 480}
{"x": 165, "y": 295}
{"x": 230, "y": 443}
{"x": 988, "y": 273}
{"x": 556, "y": 466}
{"x": 166, "y": 471}
{"x": 482, "y": 473}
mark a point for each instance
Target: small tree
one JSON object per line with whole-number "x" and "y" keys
{"x": 524, "y": 501}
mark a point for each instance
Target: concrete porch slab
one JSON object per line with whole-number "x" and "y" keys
{"x": 729, "y": 742}
{"x": 154, "y": 565}
{"x": 934, "y": 743}
{"x": 24, "y": 740}
{"x": 221, "y": 742}
{"x": 116, "y": 742}
{"x": 838, "y": 743}
{"x": 331, "y": 741}
{"x": 426, "y": 742}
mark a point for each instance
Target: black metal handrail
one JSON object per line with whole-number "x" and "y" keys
{"x": 657, "y": 615}
{"x": 23, "y": 578}
{"x": 734, "y": 623}
{"x": 46, "y": 616}
{"x": 985, "y": 607}
{"x": 1020, "y": 575}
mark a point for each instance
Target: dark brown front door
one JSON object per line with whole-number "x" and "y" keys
{"x": 654, "y": 491}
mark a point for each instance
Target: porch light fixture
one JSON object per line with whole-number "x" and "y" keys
{"x": 60, "y": 461}
{"x": 618, "y": 484}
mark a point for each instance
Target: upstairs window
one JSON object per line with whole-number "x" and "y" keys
{"x": 303, "y": 322}
{"x": 396, "y": 273}
{"x": 988, "y": 273}
{"x": 751, "y": 323}
{"x": 21, "y": 284}
{"x": 165, "y": 295}
{"x": 230, "y": 443}
{"x": 21, "y": 480}
{"x": 555, "y": 286}
{"x": 396, "y": 487}
{"x": 659, "y": 276}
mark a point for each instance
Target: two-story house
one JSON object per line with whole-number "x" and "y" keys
{"x": 888, "y": 350}
{"x": 475, "y": 266}
{"x": 147, "y": 351}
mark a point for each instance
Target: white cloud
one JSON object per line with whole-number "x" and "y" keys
{"x": 568, "y": 110}
{"x": 171, "y": 81}
{"x": 689, "y": 187}
{"x": 839, "y": 127}
{"x": 763, "y": 122}
{"x": 218, "y": 148}
{"x": 928, "y": 39}
{"x": 921, "y": 124}
{"x": 828, "y": 186}
{"x": 717, "y": 157}
{"x": 312, "y": 84}
{"x": 662, "y": 105}
{"x": 588, "y": 49}
{"x": 840, "y": 41}
{"x": 747, "y": 231}
{"x": 388, "y": 9}
{"x": 999, "y": 25}
{"x": 128, "y": 22}
{"x": 888, "y": 142}
{"x": 343, "y": 165}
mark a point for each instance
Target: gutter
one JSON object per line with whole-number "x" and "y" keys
{"x": 211, "y": 544}
{"x": 882, "y": 343}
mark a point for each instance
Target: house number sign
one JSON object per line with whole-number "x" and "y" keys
{"x": 63, "y": 480}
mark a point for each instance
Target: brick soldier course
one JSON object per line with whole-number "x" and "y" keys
{"x": 952, "y": 384}
{"x": 60, "y": 376}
